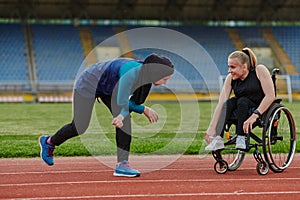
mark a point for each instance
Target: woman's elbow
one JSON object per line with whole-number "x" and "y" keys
{"x": 271, "y": 97}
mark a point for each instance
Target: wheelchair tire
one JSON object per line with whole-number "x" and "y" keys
{"x": 262, "y": 168}
{"x": 279, "y": 138}
{"x": 221, "y": 167}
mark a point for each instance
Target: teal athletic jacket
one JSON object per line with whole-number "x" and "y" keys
{"x": 120, "y": 74}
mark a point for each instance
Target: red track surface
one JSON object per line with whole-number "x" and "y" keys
{"x": 190, "y": 177}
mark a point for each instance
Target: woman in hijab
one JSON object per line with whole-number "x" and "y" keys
{"x": 123, "y": 85}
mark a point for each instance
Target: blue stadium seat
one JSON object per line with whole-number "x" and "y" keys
{"x": 58, "y": 52}
{"x": 288, "y": 38}
{"x": 252, "y": 36}
{"x": 13, "y": 65}
{"x": 102, "y": 33}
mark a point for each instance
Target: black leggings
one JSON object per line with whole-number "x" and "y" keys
{"x": 241, "y": 106}
{"x": 82, "y": 110}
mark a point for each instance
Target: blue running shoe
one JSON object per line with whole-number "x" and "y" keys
{"x": 123, "y": 169}
{"x": 47, "y": 150}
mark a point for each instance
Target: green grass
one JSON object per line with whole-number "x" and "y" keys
{"x": 179, "y": 130}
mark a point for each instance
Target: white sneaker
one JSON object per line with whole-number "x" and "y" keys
{"x": 216, "y": 143}
{"x": 240, "y": 142}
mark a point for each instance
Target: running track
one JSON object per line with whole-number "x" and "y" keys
{"x": 190, "y": 177}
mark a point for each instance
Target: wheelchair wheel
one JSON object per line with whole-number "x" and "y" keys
{"x": 221, "y": 167}
{"x": 262, "y": 168}
{"x": 279, "y": 138}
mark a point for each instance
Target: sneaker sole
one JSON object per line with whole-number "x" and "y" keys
{"x": 240, "y": 148}
{"x": 215, "y": 149}
{"x": 126, "y": 175}
{"x": 42, "y": 150}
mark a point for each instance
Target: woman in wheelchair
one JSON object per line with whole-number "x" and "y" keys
{"x": 252, "y": 87}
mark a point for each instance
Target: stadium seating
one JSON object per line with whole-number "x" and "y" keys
{"x": 13, "y": 67}
{"x": 101, "y": 33}
{"x": 58, "y": 52}
{"x": 251, "y": 36}
{"x": 214, "y": 40}
{"x": 288, "y": 37}
{"x": 184, "y": 71}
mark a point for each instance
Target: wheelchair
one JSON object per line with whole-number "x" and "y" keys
{"x": 278, "y": 141}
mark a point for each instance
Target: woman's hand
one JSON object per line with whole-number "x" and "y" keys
{"x": 249, "y": 123}
{"x": 118, "y": 121}
{"x": 209, "y": 135}
{"x": 151, "y": 114}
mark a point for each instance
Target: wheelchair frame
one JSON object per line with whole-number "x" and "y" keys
{"x": 271, "y": 121}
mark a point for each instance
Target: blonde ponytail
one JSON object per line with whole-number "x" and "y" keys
{"x": 252, "y": 57}
{"x": 245, "y": 56}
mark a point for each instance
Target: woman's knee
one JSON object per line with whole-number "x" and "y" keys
{"x": 231, "y": 103}
{"x": 80, "y": 128}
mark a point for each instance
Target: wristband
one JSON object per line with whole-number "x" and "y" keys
{"x": 257, "y": 112}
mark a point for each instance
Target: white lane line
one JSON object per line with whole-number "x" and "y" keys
{"x": 110, "y": 170}
{"x": 165, "y": 195}
{"x": 145, "y": 181}
{"x": 55, "y": 172}
{"x": 94, "y": 171}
